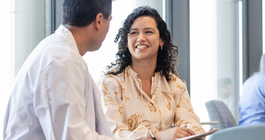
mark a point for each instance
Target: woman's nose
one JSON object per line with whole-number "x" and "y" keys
{"x": 141, "y": 38}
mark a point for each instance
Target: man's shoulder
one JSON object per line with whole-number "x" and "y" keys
{"x": 53, "y": 43}
{"x": 54, "y": 49}
{"x": 57, "y": 46}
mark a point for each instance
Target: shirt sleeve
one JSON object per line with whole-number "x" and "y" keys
{"x": 251, "y": 103}
{"x": 113, "y": 102}
{"x": 60, "y": 102}
{"x": 184, "y": 112}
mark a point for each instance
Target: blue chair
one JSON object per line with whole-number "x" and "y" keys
{"x": 218, "y": 111}
{"x": 251, "y": 132}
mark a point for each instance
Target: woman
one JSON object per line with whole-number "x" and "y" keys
{"x": 142, "y": 95}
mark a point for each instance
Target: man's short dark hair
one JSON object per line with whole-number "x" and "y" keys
{"x": 81, "y": 13}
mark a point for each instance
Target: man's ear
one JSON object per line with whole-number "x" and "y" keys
{"x": 98, "y": 21}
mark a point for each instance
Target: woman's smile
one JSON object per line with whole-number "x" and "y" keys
{"x": 144, "y": 39}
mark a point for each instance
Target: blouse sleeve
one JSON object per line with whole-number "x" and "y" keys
{"x": 112, "y": 103}
{"x": 184, "y": 112}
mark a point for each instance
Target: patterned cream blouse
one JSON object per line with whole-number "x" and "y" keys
{"x": 131, "y": 113}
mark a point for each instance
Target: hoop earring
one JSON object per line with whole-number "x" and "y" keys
{"x": 161, "y": 47}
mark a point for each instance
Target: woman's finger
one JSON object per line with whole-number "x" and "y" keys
{"x": 182, "y": 132}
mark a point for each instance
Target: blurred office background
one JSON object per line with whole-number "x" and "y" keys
{"x": 220, "y": 43}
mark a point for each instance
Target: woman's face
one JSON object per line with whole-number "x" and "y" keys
{"x": 143, "y": 39}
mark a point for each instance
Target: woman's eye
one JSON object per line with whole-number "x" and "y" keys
{"x": 148, "y": 32}
{"x": 132, "y": 33}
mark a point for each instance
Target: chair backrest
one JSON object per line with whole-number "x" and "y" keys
{"x": 218, "y": 111}
{"x": 250, "y": 132}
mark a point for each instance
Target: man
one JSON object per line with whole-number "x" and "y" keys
{"x": 252, "y": 100}
{"x": 54, "y": 97}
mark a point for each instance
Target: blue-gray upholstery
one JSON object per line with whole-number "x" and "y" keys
{"x": 218, "y": 111}
{"x": 251, "y": 132}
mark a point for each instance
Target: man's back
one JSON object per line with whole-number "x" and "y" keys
{"x": 251, "y": 103}
{"x": 51, "y": 85}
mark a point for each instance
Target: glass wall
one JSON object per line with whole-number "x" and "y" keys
{"x": 214, "y": 54}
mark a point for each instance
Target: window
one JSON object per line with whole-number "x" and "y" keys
{"x": 6, "y": 60}
{"x": 214, "y": 54}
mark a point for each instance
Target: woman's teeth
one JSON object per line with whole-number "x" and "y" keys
{"x": 141, "y": 46}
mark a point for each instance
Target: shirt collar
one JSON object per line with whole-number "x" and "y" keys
{"x": 132, "y": 73}
{"x": 67, "y": 35}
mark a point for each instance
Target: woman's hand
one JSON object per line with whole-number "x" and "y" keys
{"x": 174, "y": 133}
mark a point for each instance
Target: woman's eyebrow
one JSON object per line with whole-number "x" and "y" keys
{"x": 133, "y": 29}
{"x": 149, "y": 28}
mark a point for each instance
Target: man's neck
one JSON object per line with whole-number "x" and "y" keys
{"x": 81, "y": 38}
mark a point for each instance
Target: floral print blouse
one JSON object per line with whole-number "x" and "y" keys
{"x": 131, "y": 113}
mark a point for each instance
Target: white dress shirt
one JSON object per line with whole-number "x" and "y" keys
{"x": 131, "y": 113}
{"x": 54, "y": 97}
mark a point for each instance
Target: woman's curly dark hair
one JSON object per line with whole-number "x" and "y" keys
{"x": 167, "y": 58}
